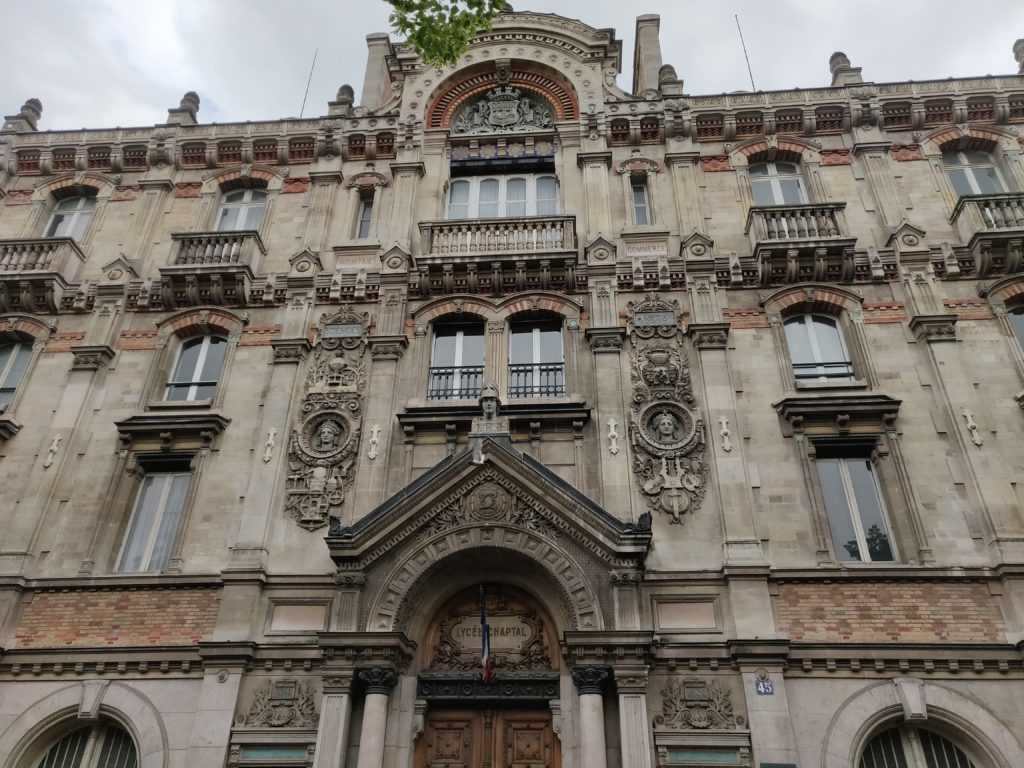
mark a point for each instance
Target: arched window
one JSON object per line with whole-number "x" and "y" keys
{"x": 491, "y": 197}
{"x": 817, "y": 348}
{"x": 536, "y": 357}
{"x": 197, "y": 369}
{"x": 907, "y": 747}
{"x": 71, "y": 217}
{"x": 242, "y": 209}
{"x": 14, "y": 359}
{"x": 95, "y": 746}
{"x": 973, "y": 173}
{"x": 777, "y": 183}
{"x": 456, "y": 360}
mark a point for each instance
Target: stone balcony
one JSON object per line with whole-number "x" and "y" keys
{"x": 35, "y": 273}
{"x": 497, "y": 256}
{"x": 798, "y": 243}
{"x": 212, "y": 268}
{"x": 992, "y": 226}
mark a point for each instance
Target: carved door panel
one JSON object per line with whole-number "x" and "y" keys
{"x": 525, "y": 740}
{"x": 451, "y": 739}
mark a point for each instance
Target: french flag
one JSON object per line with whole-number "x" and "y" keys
{"x": 486, "y": 660}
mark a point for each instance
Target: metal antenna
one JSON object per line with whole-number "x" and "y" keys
{"x": 745, "y": 56}
{"x": 308, "y": 81}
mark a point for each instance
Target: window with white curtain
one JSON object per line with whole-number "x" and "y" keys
{"x": 777, "y": 183}
{"x": 817, "y": 348}
{"x": 71, "y": 217}
{"x": 973, "y": 173}
{"x": 456, "y": 361}
{"x": 197, "y": 369}
{"x": 95, "y": 746}
{"x": 14, "y": 359}
{"x": 536, "y": 358}
{"x": 242, "y": 209}
{"x": 364, "y": 220}
{"x": 492, "y": 197}
{"x": 908, "y": 747}
{"x": 156, "y": 517}
{"x": 640, "y": 198}
{"x": 855, "y": 508}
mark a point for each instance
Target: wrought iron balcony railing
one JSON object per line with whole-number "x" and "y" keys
{"x": 536, "y": 380}
{"x": 455, "y": 382}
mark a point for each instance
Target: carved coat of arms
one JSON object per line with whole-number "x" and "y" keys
{"x": 503, "y": 109}
{"x": 699, "y": 704}
{"x": 666, "y": 432}
{"x": 323, "y": 447}
{"x": 282, "y": 704}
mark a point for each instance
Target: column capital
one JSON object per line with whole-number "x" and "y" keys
{"x": 591, "y": 679}
{"x": 709, "y": 335}
{"x": 290, "y": 350}
{"x": 631, "y": 678}
{"x": 377, "y": 679}
{"x": 932, "y": 328}
{"x": 584, "y": 159}
{"x": 387, "y": 347}
{"x": 606, "y": 339}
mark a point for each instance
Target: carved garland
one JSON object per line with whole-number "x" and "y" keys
{"x": 322, "y": 449}
{"x": 666, "y": 431}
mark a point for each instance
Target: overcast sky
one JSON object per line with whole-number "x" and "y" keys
{"x": 102, "y": 63}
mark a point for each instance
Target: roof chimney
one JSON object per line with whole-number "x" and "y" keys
{"x": 1018, "y": 54}
{"x": 342, "y": 104}
{"x": 26, "y": 119}
{"x": 185, "y": 112}
{"x": 646, "y": 53}
{"x": 377, "y": 80}
{"x": 842, "y": 72}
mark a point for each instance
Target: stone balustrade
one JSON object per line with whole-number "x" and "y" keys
{"x": 35, "y": 272}
{"x": 793, "y": 243}
{"x": 498, "y": 237}
{"x": 992, "y": 226}
{"x": 199, "y": 249}
{"x": 212, "y": 268}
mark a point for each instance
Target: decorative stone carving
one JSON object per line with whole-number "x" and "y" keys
{"x": 503, "y": 109}
{"x": 377, "y": 679}
{"x": 492, "y": 500}
{"x": 692, "y": 703}
{"x": 665, "y": 430}
{"x": 282, "y": 704}
{"x": 322, "y": 448}
{"x": 591, "y": 679}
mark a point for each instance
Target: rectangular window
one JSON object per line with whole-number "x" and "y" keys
{"x": 156, "y": 517}
{"x": 856, "y": 511}
{"x": 536, "y": 359}
{"x": 457, "y": 361}
{"x": 493, "y": 197}
{"x": 14, "y": 360}
{"x": 365, "y": 216}
{"x": 641, "y": 204}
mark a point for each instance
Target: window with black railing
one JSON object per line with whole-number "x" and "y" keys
{"x": 536, "y": 359}
{"x": 456, "y": 361}
{"x": 817, "y": 349}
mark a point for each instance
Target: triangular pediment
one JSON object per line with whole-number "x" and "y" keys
{"x": 495, "y": 486}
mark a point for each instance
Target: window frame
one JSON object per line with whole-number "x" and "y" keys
{"x": 536, "y": 387}
{"x": 913, "y": 750}
{"x": 773, "y": 180}
{"x": 20, "y": 348}
{"x": 169, "y": 470}
{"x": 969, "y": 169}
{"x": 821, "y": 376}
{"x": 364, "y": 214}
{"x": 853, "y": 511}
{"x": 194, "y": 383}
{"x": 96, "y": 740}
{"x": 472, "y": 204}
{"x": 457, "y": 391}
{"x": 79, "y": 218}
{"x": 638, "y": 182}
{"x": 243, "y": 208}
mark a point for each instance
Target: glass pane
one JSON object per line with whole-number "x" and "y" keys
{"x": 830, "y": 343}
{"x": 7, "y": 351}
{"x": 884, "y": 751}
{"x": 58, "y": 225}
{"x": 118, "y": 750}
{"x": 515, "y": 197}
{"x": 988, "y": 181}
{"x": 550, "y": 345}
{"x": 169, "y": 521}
{"x": 22, "y": 354}
{"x": 520, "y": 349}
{"x": 792, "y": 191}
{"x": 257, "y": 195}
{"x": 253, "y": 216}
{"x": 68, "y": 752}
{"x": 785, "y": 168}
{"x": 958, "y": 178}
{"x": 444, "y": 347}
{"x": 798, "y": 341}
{"x": 975, "y": 157}
{"x": 547, "y": 188}
{"x": 188, "y": 360}
{"x": 473, "y": 346}
{"x": 489, "y": 198}
{"x": 951, "y": 158}
{"x": 869, "y": 505}
{"x": 762, "y": 192}
{"x": 1017, "y": 323}
{"x": 214, "y": 359}
{"x": 235, "y": 197}
{"x": 844, "y": 540}
{"x": 228, "y": 220}
{"x": 940, "y": 752}
{"x": 640, "y": 202}
{"x": 365, "y": 217}
{"x": 758, "y": 169}
{"x": 143, "y": 519}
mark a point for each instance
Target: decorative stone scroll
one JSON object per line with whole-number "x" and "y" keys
{"x": 323, "y": 446}
{"x": 693, "y": 703}
{"x": 666, "y": 431}
{"x": 505, "y": 109}
{"x": 282, "y": 704}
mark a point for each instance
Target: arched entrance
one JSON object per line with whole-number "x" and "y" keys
{"x": 488, "y": 672}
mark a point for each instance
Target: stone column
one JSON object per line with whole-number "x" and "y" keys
{"x": 590, "y": 682}
{"x": 378, "y": 682}
{"x": 596, "y": 193}
{"x": 401, "y": 226}
{"x": 683, "y": 171}
{"x": 335, "y": 711}
{"x": 634, "y": 728}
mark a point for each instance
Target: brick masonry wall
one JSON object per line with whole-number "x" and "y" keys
{"x": 108, "y": 618}
{"x": 860, "y": 612}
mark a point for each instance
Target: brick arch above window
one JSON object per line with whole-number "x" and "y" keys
{"x": 527, "y": 76}
{"x": 454, "y": 307}
{"x": 70, "y": 185}
{"x": 970, "y": 138}
{"x": 193, "y": 322}
{"x": 784, "y": 150}
{"x": 541, "y": 302}
{"x": 810, "y": 297}
{"x": 1008, "y": 291}
{"x": 498, "y": 310}
{"x": 24, "y": 325}
{"x": 240, "y": 177}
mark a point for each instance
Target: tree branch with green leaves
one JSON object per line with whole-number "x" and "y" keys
{"x": 441, "y": 30}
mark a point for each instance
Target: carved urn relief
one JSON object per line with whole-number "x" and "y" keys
{"x": 323, "y": 446}
{"x": 666, "y": 430}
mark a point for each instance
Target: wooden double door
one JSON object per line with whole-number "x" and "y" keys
{"x": 488, "y": 738}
